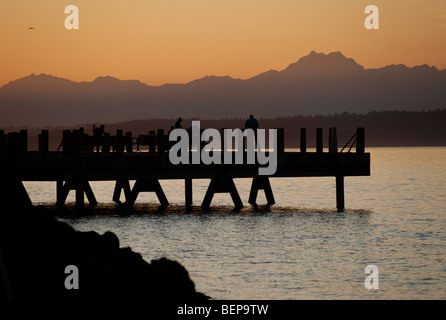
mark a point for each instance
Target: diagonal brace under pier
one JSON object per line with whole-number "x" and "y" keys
{"x": 149, "y": 185}
{"x": 222, "y": 185}
{"x": 122, "y": 185}
{"x": 81, "y": 187}
{"x": 264, "y": 184}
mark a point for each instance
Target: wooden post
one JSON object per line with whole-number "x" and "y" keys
{"x": 340, "y": 193}
{"x": 23, "y": 142}
{"x": 89, "y": 193}
{"x": 119, "y": 142}
{"x": 303, "y": 140}
{"x": 333, "y": 141}
{"x": 261, "y": 183}
{"x": 44, "y": 142}
{"x": 129, "y": 142}
{"x": 160, "y": 140}
{"x": 106, "y": 145}
{"x": 188, "y": 191}
{"x": 80, "y": 199}
{"x": 280, "y": 140}
{"x": 60, "y": 193}
{"x": 360, "y": 140}
{"x": 67, "y": 143}
{"x": 77, "y": 142}
{"x": 319, "y": 141}
{"x": 13, "y": 144}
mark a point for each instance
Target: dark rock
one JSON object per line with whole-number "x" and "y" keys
{"x": 35, "y": 249}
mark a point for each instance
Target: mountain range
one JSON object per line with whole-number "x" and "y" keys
{"x": 317, "y": 84}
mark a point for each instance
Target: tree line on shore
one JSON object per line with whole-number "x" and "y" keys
{"x": 383, "y": 128}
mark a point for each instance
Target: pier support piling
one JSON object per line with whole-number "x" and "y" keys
{"x": 340, "y": 193}
{"x": 80, "y": 199}
{"x": 222, "y": 185}
{"x": 81, "y": 187}
{"x": 119, "y": 186}
{"x": 264, "y": 184}
{"x": 89, "y": 193}
{"x": 150, "y": 185}
{"x": 303, "y": 140}
{"x": 188, "y": 191}
{"x": 319, "y": 140}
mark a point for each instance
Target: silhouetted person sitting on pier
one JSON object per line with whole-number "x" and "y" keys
{"x": 99, "y": 132}
{"x": 178, "y": 123}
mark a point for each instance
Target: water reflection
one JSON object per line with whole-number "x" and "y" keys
{"x": 300, "y": 248}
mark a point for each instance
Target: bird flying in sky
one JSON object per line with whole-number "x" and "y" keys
{"x": 31, "y": 28}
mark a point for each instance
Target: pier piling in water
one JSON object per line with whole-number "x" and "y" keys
{"x": 303, "y": 140}
{"x": 188, "y": 191}
{"x": 122, "y": 185}
{"x": 147, "y": 185}
{"x": 261, "y": 183}
{"x": 81, "y": 188}
{"x": 340, "y": 193}
{"x": 222, "y": 185}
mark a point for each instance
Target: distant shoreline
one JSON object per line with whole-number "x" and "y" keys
{"x": 382, "y": 129}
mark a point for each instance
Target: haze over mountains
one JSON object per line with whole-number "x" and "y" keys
{"x": 315, "y": 84}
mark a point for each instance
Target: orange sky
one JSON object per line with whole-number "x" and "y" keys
{"x": 176, "y": 41}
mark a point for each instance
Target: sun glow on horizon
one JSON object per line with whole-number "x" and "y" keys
{"x": 175, "y": 41}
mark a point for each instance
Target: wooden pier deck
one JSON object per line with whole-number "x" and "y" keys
{"x": 75, "y": 164}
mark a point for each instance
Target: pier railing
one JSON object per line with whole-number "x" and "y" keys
{"x": 73, "y": 142}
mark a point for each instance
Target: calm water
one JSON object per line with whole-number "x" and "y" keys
{"x": 300, "y": 248}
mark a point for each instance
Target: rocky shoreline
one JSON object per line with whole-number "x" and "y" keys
{"x": 35, "y": 249}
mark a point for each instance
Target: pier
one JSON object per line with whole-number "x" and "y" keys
{"x": 80, "y": 158}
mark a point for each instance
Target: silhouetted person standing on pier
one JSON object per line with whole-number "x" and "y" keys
{"x": 252, "y": 123}
{"x": 178, "y": 123}
{"x": 98, "y": 132}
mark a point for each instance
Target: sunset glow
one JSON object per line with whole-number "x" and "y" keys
{"x": 177, "y": 41}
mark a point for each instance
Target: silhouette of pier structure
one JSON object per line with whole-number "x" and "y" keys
{"x": 81, "y": 158}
